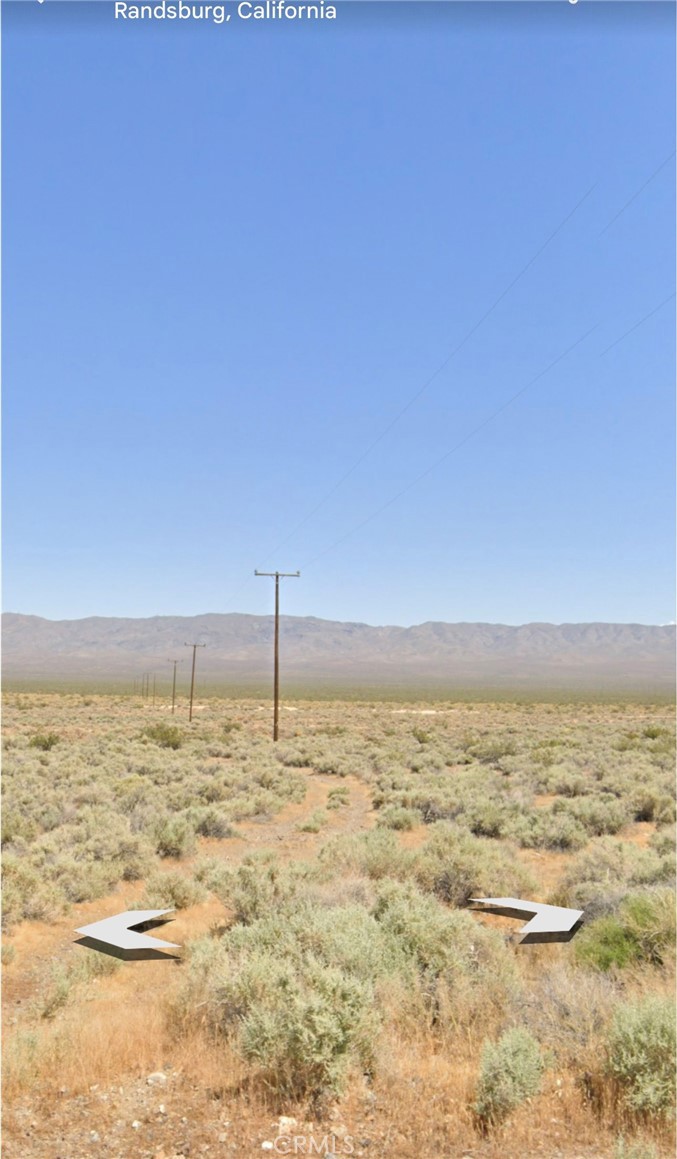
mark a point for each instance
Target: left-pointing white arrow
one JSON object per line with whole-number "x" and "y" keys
{"x": 549, "y": 923}
{"x": 117, "y": 935}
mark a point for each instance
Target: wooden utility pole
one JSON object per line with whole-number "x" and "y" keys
{"x": 192, "y": 676}
{"x": 277, "y": 575}
{"x": 153, "y": 690}
{"x": 174, "y": 662}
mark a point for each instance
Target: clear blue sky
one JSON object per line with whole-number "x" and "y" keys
{"x": 234, "y": 253}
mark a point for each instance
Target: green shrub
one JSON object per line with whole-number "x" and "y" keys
{"x": 172, "y": 890}
{"x": 167, "y": 736}
{"x": 174, "y": 837}
{"x": 462, "y": 970}
{"x": 7, "y": 953}
{"x": 663, "y": 841}
{"x": 44, "y": 741}
{"x": 338, "y": 798}
{"x": 293, "y": 994}
{"x": 314, "y": 823}
{"x": 375, "y": 854}
{"x": 397, "y": 817}
{"x": 210, "y": 822}
{"x": 457, "y": 866}
{"x": 25, "y": 895}
{"x": 302, "y": 1028}
{"x": 598, "y": 813}
{"x": 16, "y": 824}
{"x": 606, "y": 944}
{"x": 640, "y": 1055}
{"x": 490, "y": 749}
{"x": 511, "y": 1071}
{"x": 603, "y": 873}
{"x": 259, "y": 887}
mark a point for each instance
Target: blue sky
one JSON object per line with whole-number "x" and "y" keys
{"x": 235, "y": 253}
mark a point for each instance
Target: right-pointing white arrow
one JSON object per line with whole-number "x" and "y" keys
{"x": 549, "y": 923}
{"x": 117, "y": 936}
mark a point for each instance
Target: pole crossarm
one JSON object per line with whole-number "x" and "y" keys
{"x": 281, "y": 574}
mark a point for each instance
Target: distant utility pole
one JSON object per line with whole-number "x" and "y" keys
{"x": 192, "y": 676}
{"x": 153, "y": 690}
{"x": 174, "y": 662}
{"x": 277, "y": 575}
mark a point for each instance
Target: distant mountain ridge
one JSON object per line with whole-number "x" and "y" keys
{"x": 239, "y": 649}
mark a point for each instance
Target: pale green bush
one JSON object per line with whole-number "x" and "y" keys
{"x": 376, "y": 854}
{"x": 174, "y": 837}
{"x": 511, "y": 1071}
{"x": 605, "y": 871}
{"x": 397, "y": 817}
{"x": 457, "y": 867}
{"x": 171, "y": 890}
{"x": 640, "y": 1058}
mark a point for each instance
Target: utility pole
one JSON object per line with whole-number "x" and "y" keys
{"x": 174, "y": 662}
{"x": 192, "y": 676}
{"x": 277, "y": 575}
{"x": 153, "y": 690}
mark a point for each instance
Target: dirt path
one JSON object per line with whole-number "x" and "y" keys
{"x": 38, "y": 945}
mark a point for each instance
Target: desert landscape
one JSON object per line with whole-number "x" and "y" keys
{"x": 333, "y": 992}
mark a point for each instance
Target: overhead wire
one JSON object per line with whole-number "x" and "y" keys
{"x": 452, "y": 450}
{"x": 476, "y": 430}
{"x": 637, "y": 193}
{"x": 638, "y": 324}
{"x": 422, "y": 389}
{"x": 431, "y": 378}
{"x": 445, "y": 363}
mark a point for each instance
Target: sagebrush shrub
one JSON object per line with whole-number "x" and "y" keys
{"x": 44, "y": 741}
{"x": 172, "y": 890}
{"x": 168, "y": 736}
{"x": 511, "y": 1071}
{"x": 457, "y": 866}
{"x": 397, "y": 817}
{"x": 293, "y": 998}
{"x": 640, "y": 1055}
{"x": 174, "y": 837}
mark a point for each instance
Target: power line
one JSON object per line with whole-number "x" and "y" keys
{"x": 174, "y": 662}
{"x": 386, "y": 430}
{"x": 428, "y": 382}
{"x": 358, "y": 462}
{"x": 490, "y": 418}
{"x": 192, "y": 676}
{"x": 637, "y": 193}
{"x": 638, "y": 324}
{"x": 436, "y": 373}
{"x": 277, "y": 575}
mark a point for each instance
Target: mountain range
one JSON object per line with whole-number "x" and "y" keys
{"x": 604, "y": 656}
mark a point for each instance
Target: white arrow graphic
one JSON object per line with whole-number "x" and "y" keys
{"x": 549, "y": 923}
{"x": 117, "y": 936}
